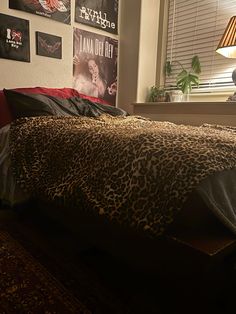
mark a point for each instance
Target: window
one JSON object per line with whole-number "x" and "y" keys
{"x": 195, "y": 27}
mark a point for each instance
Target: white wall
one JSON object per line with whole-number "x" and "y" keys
{"x": 138, "y": 27}
{"x": 128, "y": 52}
{"x": 139, "y": 21}
{"x": 41, "y": 71}
{"x": 147, "y": 47}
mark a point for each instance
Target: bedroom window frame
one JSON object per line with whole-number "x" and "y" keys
{"x": 198, "y": 94}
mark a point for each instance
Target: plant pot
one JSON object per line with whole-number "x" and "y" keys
{"x": 185, "y": 97}
{"x": 161, "y": 99}
{"x": 176, "y": 95}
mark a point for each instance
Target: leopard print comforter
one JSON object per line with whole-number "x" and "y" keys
{"x": 132, "y": 170}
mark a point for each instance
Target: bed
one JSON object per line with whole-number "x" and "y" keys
{"x": 121, "y": 181}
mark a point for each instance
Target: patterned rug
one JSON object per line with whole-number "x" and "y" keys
{"x": 87, "y": 276}
{"x": 27, "y": 287}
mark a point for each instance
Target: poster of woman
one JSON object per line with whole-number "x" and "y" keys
{"x": 101, "y": 14}
{"x": 59, "y": 10}
{"x": 95, "y": 65}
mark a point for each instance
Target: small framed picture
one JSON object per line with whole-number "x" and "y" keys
{"x": 48, "y": 45}
{"x": 14, "y": 38}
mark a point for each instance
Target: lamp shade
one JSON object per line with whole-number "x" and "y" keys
{"x": 227, "y": 44}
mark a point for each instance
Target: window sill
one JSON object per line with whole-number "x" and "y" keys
{"x": 192, "y": 107}
{"x": 194, "y": 113}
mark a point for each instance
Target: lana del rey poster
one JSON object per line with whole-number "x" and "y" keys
{"x": 59, "y": 10}
{"x": 101, "y": 14}
{"x": 95, "y": 65}
{"x": 14, "y": 38}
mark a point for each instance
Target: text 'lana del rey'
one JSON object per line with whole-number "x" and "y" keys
{"x": 95, "y": 47}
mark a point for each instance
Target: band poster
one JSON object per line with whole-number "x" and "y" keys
{"x": 48, "y": 45}
{"x": 14, "y": 38}
{"x": 95, "y": 65}
{"x": 58, "y": 10}
{"x": 101, "y": 14}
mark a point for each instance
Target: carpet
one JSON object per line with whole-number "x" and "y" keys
{"x": 27, "y": 287}
{"x": 53, "y": 248}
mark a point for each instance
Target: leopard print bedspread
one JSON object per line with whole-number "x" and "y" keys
{"x": 134, "y": 171}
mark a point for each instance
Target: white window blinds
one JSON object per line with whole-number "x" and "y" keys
{"x": 195, "y": 27}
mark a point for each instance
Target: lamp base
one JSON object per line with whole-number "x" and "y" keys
{"x": 233, "y": 97}
{"x": 234, "y": 76}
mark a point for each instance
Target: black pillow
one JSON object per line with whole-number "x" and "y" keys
{"x": 31, "y": 105}
{"x": 25, "y": 105}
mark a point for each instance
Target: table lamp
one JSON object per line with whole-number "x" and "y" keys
{"x": 227, "y": 44}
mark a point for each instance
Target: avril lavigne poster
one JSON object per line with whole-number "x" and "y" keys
{"x": 58, "y": 10}
{"x": 101, "y": 14}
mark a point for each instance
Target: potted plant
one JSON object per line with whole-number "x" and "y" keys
{"x": 156, "y": 94}
{"x": 186, "y": 78}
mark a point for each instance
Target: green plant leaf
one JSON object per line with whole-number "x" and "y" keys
{"x": 155, "y": 92}
{"x": 184, "y": 87}
{"x": 196, "y": 65}
{"x": 168, "y": 68}
{"x": 194, "y": 79}
{"x": 185, "y": 80}
{"x": 182, "y": 75}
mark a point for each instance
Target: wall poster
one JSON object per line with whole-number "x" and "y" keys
{"x": 101, "y": 14}
{"x": 95, "y": 65}
{"x": 48, "y": 45}
{"x": 58, "y": 10}
{"x": 14, "y": 38}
